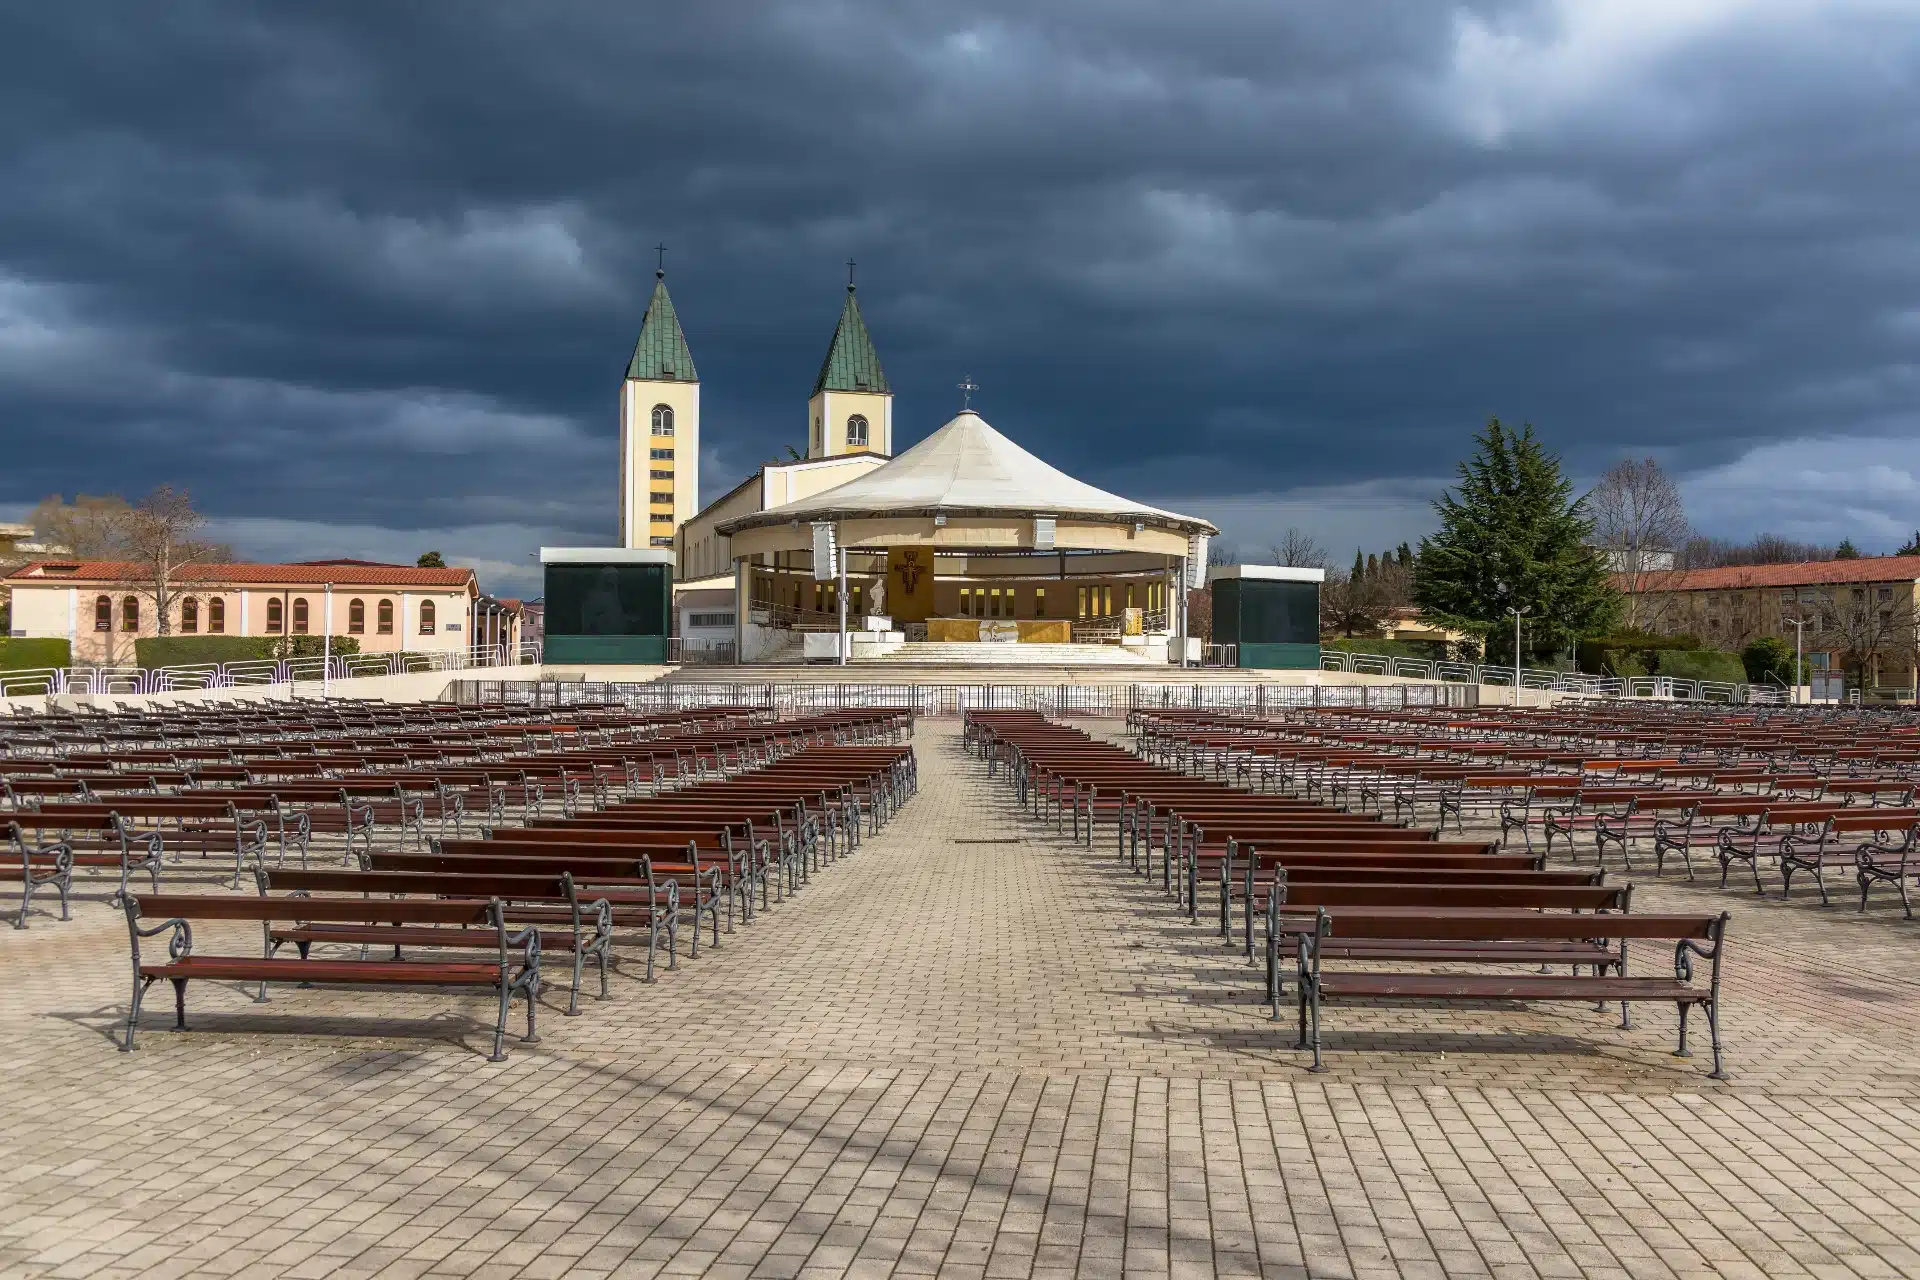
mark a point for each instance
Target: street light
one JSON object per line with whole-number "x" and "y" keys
{"x": 1799, "y": 626}
{"x": 1518, "y": 614}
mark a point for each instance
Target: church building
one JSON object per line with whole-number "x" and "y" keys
{"x": 659, "y": 429}
{"x": 850, "y": 432}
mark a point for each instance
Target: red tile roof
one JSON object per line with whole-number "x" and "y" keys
{"x": 1807, "y": 573}
{"x": 317, "y": 574}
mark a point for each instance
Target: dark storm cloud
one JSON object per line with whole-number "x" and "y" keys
{"x": 379, "y": 267}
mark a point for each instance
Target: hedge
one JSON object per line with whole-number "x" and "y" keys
{"x": 19, "y": 654}
{"x": 1703, "y": 664}
{"x": 1594, "y": 652}
{"x": 181, "y": 651}
{"x": 1430, "y": 650}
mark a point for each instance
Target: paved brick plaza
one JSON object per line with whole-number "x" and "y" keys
{"x": 971, "y": 1059}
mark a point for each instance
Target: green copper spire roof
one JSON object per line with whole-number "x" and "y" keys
{"x": 852, "y": 364}
{"x": 661, "y": 355}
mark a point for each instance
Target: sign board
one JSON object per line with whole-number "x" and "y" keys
{"x": 1000, "y": 631}
{"x": 823, "y": 549}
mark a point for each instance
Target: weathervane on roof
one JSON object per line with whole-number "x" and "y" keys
{"x": 967, "y": 387}
{"x": 660, "y": 263}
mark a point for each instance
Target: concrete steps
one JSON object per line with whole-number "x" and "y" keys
{"x": 974, "y": 654}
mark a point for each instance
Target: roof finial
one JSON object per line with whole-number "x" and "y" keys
{"x": 967, "y": 387}
{"x": 660, "y": 263}
{"x": 849, "y": 275}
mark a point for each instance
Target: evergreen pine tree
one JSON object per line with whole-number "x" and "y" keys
{"x": 1373, "y": 565}
{"x": 1359, "y": 566}
{"x": 1404, "y": 554}
{"x": 1846, "y": 550}
{"x": 1514, "y": 537}
{"x": 1913, "y": 546}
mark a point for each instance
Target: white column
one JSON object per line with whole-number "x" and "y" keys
{"x": 73, "y": 621}
{"x": 841, "y": 548}
{"x": 243, "y": 613}
{"x": 326, "y": 644}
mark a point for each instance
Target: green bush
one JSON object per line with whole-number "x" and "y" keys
{"x": 1594, "y": 652}
{"x": 1425, "y": 649}
{"x": 1703, "y": 664}
{"x": 181, "y": 651}
{"x": 1767, "y": 660}
{"x": 20, "y": 654}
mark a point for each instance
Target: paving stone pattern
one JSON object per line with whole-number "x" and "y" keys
{"x": 969, "y": 1059}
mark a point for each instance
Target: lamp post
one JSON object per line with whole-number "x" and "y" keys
{"x": 1518, "y": 614}
{"x": 1799, "y": 626}
{"x": 326, "y": 648}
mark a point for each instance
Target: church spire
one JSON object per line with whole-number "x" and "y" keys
{"x": 851, "y": 364}
{"x": 661, "y": 354}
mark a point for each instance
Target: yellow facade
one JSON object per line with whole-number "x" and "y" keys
{"x": 832, "y": 428}
{"x": 652, "y": 508}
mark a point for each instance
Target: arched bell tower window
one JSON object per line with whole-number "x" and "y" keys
{"x": 663, "y": 419}
{"x": 857, "y": 431}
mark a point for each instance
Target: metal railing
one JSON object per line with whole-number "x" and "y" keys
{"x": 1098, "y": 701}
{"x": 101, "y": 680}
{"x": 1672, "y": 687}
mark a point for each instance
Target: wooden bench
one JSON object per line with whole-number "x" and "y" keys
{"x": 1694, "y": 936}
{"x": 1881, "y": 860}
{"x": 100, "y": 840}
{"x": 516, "y": 971}
{"x": 548, "y": 900}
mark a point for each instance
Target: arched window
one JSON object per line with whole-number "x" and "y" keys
{"x": 216, "y": 616}
{"x": 274, "y": 618}
{"x": 385, "y": 615}
{"x": 857, "y": 431}
{"x": 426, "y": 617}
{"x": 103, "y": 614}
{"x": 130, "y": 613}
{"x": 357, "y": 617}
{"x": 189, "y": 616}
{"x": 663, "y": 419}
{"x": 299, "y": 617}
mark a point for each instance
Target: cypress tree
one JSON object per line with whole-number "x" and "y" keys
{"x": 1373, "y": 565}
{"x": 1359, "y": 566}
{"x": 1514, "y": 536}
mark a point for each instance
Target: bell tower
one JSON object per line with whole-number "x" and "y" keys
{"x": 851, "y": 409}
{"x": 659, "y": 427}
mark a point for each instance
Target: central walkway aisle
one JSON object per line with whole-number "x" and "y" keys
{"x": 970, "y": 1049}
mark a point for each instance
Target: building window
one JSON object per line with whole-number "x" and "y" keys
{"x": 1886, "y": 595}
{"x": 663, "y": 420}
{"x": 1083, "y": 603}
{"x": 189, "y": 616}
{"x": 661, "y": 542}
{"x": 658, "y": 518}
{"x": 1039, "y": 602}
{"x": 216, "y": 616}
{"x": 275, "y": 619}
{"x": 859, "y": 601}
{"x": 710, "y": 619}
{"x": 662, "y": 495}
{"x": 1129, "y": 595}
{"x": 966, "y": 602}
{"x": 993, "y": 603}
{"x": 300, "y": 617}
{"x": 103, "y": 614}
{"x": 857, "y": 431}
{"x": 1106, "y": 602}
{"x": 816, "y": 433}
{"x": 383, "y": 613}
{"x": 662, "y": 455}
{"x": 130, "y": 614}
{"x": 660, "y": 475}
{"x": 357, "y": 617}
{"x": 426, "y": 617}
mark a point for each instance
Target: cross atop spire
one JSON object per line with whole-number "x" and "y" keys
{"x": 849, "y": 275}
{"x": 660, "y": 262}
{"x": 967, "y": 387}
{"x": 851, "y": 364}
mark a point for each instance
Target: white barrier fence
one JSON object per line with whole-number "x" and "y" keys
{"x": 1672, "y": 687}
{"x": 1105, "y": 701}
{"x": 261, "y": 674}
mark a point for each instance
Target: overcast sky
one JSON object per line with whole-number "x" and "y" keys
{"x": 364, "y": 277}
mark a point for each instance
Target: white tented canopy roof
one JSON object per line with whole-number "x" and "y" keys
{"x": 966, "y": 468}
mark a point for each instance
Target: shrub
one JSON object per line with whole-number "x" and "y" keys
{"x": 1702, "y": 664}
{"x": 1426, "y": 649}
{"x": 180, "y": 651}
{"x": 21, "y": 653}
{"x": 1768, "y": 659}
{"x": 1593, "y": 652}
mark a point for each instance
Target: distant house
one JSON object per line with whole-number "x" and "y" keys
{"x": 1857, "y": 616}
{"x": 103, "y": 606}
